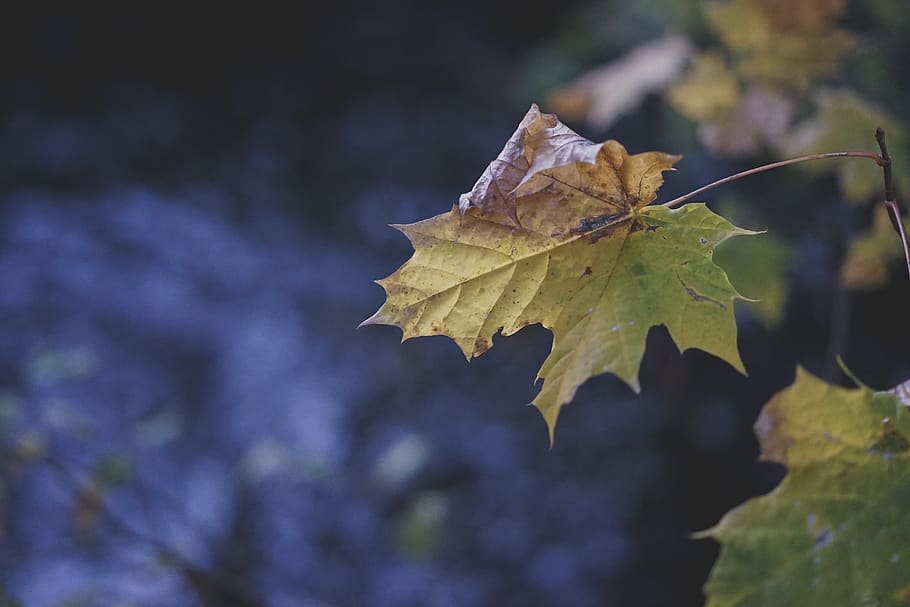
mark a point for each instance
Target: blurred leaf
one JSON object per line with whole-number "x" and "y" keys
{"x": 29, "y": 447}
{"x": 835, "y": 531}
{"x": 707, "y": 91}
{"x": 400, "y": 462}
{"x": 604, "y": 94}
{"x": 870, "y": 256}
{"x": 757, "y": 270}
{"x": 419, "y": 529}
{"x": 87, "y": 507}
{"x": 49, "y": 365}
{"x": 782, "y": 43}
{"x": 760, "y": 119}
{"x": 158, "y": 429}
{"x": 734, "y": 122}
{"x": 558, "y": 231}
{"x": 10, "y": 408}
{"x": 846, "y": 121}
{"x": 63, "y": 415}
{"x": 113, "y": 470}
{"x": 803, "y": 15}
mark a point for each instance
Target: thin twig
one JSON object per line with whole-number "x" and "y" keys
{"x": 890, "y": 199}
{"x": 203, "y": 582}
{"x": 774, "y": 165}
{"x": 899, "y": 222}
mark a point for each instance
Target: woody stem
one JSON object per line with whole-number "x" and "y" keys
{"x": 890, "y": 198}
{"x": 879, "y": 160}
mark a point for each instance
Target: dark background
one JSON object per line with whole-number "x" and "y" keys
{"x": 194, "y": 205}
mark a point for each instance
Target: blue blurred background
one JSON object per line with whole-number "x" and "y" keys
{"x": 194, "y": 206}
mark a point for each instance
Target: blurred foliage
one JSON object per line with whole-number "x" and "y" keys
{"x": 419, "y": 529}
{"x": 783, "y": 78}
{"x": 783, "y": 43}
{"x": 604, "y": 95}
{"x": 842, "y": 121}
{"x": 728, "y": 82}
{"x": 872, "y": 253}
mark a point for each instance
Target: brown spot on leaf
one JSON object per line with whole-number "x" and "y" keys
{"x": 696, "y": 296}
{"x": 903, "y": 594}
{"x": 481, "y": 346}
{"x": 823, "y": 538}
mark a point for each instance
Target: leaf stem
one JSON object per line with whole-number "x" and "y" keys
{"x": 879, "y": 160}
{"x": 890, "y": 198}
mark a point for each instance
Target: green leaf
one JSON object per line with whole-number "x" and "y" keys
{"x": 836, "y": 531}
{"x": 557, "y": 232}
{"x": 756, "y": 267}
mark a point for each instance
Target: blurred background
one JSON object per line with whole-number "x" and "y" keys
{"x": 194, "y": 205}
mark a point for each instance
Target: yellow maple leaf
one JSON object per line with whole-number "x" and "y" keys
{"x": 557, "y": 231}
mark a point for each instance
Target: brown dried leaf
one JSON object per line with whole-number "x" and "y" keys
{"x": 548, "y": 179}
{"x": 539, "y": 139}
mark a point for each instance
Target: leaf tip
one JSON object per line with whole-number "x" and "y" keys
{"x": 739, "y": 366}
{"x": 375, "y": 319}
{"x": 846, "y": 371}
{"x": 704, "y": 534}
{"x": 549, "y": 419}
{"x": 746, "y": 299}
{"x": 551, "y": 434}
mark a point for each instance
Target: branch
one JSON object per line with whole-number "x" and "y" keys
{"x": 879, "y": 160}
{"x": 210, "y": 586}
{"x": 890, "y": 199}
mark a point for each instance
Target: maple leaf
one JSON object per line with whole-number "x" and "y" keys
{"x": 590, "y": 261}
{"x": 835, "y": 531}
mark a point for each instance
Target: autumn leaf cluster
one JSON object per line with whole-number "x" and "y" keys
{"x": 768, "y": 83}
